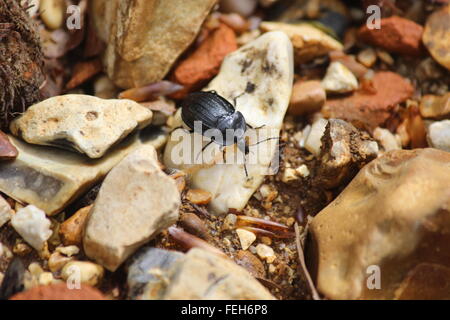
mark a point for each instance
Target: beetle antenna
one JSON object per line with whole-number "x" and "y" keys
{"x": 182, "y": 128}
{"x": 246, "y": 172}
{"x": 237, "y": 97}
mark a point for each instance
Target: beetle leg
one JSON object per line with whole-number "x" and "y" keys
{"x": 206, "y": 146}
{"x": 255, "y": 128}
{"x": 265, "y": 140}
{"x": 235, "y": 99}
{"x": 222, "y": 149}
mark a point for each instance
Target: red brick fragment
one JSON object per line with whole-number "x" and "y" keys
{"x": 7, "y": 149}
{"x": 60, "y": 291}
{"x": 397, "y": 35}
{"x": 83, "y": 71}
{"x": 371, "y": 109}
{"x": 205, "y": 62}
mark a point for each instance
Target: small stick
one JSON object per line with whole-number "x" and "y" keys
{"x": 301, "y": 257}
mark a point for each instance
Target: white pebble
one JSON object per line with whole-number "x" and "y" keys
{"x": 246, "y": 238}
{"x": 33, "y": 226}
{"x": 289, "y": 175}
{"x": 313, "y": 142}
{"x": 88, "y": 272}
{"x": 265, "y": 252}
{"x": 367, "y": 57}
{"x": 386, "y": 139}
{"x": 339, "y": 79}
{"x": 68, "y": 251}
{"x": 439, "y": 135}
{"x": 52, "y": 13}
{"x": 303, "y": 171}
{"x": 45, "y": 278}
{"x": 57, "y": 261}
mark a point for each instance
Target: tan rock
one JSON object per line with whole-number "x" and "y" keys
{"x": 51, "y": 179}
{"x": 136, "y": 202}
{"x": 57, "y": 261}
{"x": 198, "y": 196}
{"x": 191, "y": 223}
{"x": 309, "y": 42}
{"x": 436, "y": 36}
{"x": 71, "y": 230}
{"x": 246, "y": 238}
{"x": 131, "y": 60}
{"x": 229, "y": 222}
{"x": 344, "y": 151}
{"x": 196, "y": 276}
{"x": 87, "y": 272}
{"x": 251, "y": 263}
{"x": 395, "y": 214}
{"x": 69, "y": 250}
{"x": 81, "y": 123}
{"x": 435, "y": 107}
{"x": 265, "y": 252}
{"x": 52, "y": 13}
{"x": 307, "y": 97}
{"x": 367, "y": 57}
{"x": 339, "y": 79}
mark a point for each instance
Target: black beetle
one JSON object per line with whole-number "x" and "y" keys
{"x": 217, "y": 115}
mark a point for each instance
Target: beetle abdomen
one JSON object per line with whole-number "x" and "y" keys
{"x": 206, "y": 107}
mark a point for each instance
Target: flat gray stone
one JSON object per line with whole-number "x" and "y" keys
{"x": 51, "y": 179}
{"x": 145, "y": 268}
{"x": 203, "y": 275}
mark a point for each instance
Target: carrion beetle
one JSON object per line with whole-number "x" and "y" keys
{"x": 217, "y": 116}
